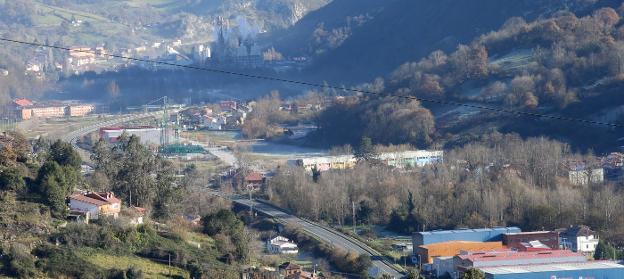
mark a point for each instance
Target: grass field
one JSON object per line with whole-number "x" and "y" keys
{"x": 514, "y": 60}
{"x": 150, "y": 269}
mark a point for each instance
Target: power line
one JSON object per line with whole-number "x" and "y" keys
{"x": 328, "y": 86}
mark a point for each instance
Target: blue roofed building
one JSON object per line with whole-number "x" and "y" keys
{"x": 590, "y": 269}
{"x": 478, "y": 235}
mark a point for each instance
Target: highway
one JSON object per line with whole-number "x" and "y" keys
{"x": 323, "y": 233}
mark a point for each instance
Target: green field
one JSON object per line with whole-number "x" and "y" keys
{"x": 150, "y": 269}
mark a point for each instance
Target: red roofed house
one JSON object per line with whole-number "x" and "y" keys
{"x": 23, "y": 102}
{"x": 228, "y": 105}
{"x": 254, "y": 180}
{"x": 96, "y": 204}
{"x": 292, "y": 271}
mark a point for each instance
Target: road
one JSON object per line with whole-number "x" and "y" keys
{"x": 73, "y": 136}
{"x": 323, "y": 233}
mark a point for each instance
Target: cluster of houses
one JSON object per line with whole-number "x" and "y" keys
{"x": 24, "y": 109}
{"x": 609, "y": 167}
{"x": 509, "y": 253}
{"x": 221, "y": 116}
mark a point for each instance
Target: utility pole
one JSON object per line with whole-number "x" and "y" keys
{"x": 354, "y": 221}
{"x": 169, "y": 264}
{"x": 250, "y": 201}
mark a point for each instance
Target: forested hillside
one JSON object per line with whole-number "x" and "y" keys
{"x": 359, "y": 40}
{"x": 563, "y": 65}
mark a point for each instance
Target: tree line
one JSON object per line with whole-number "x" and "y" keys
{"x": 501, "y": 180}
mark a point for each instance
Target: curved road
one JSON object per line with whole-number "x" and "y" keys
{"x": 74, "y": 135}
{"x": 323, "y": 233}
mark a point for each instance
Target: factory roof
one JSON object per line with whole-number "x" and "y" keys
{"x": 504, "y": 229}
{"x": 529, "y": 233}
{"x": 515, "y": 256}
{"x": 551, "y": 267}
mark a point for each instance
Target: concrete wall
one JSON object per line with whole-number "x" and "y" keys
{"x": 83, "y": 206}
{"x": 478, "y": 235}
{"x": 551, "y": 239}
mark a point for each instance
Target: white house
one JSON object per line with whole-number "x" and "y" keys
{"x": 579, "y": 173}
{"x": 579, "y": 239}
{"x": 282, "y": 245}
{"x": 214, "y": 123}
{"x": 95, "y": 204}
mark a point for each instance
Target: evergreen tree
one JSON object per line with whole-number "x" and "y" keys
{"x": 11, "y": 179}
{"x": 64, "y": 154}
{"x": 55, "y": 184}
{"x": 316, "y": 174}
{"x": 605, "y": 251}
{"x": 168, "y": 194}
{"x": 366, "y": 150}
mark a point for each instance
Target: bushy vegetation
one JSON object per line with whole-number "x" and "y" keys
{"x": 268, "y": 114}
{"x": 386, "y": 121}
{"x": 344, "y": 261}
{"x": 137, "y": 176}
{"x": 233, "y": 240}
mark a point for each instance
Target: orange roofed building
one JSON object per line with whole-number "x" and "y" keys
{"x": 23, "y": 102}
{"x": 454, "y": 248}
{"x": 96, "y": 204}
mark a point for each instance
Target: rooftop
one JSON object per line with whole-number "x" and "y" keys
{"x": 97, "y": 199}
{"x": 502, "y": 229}
{"x": 23, "y": 102}
{"x": 529, "y": 233}
{"x": 515, "y": 256}
{"x": 464, "y": 244}
{"x": 577, "y": 231}
{"x": 552, "y": 267}
{"x": 289, "y": 266}
{"x": 254, "y": 176}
